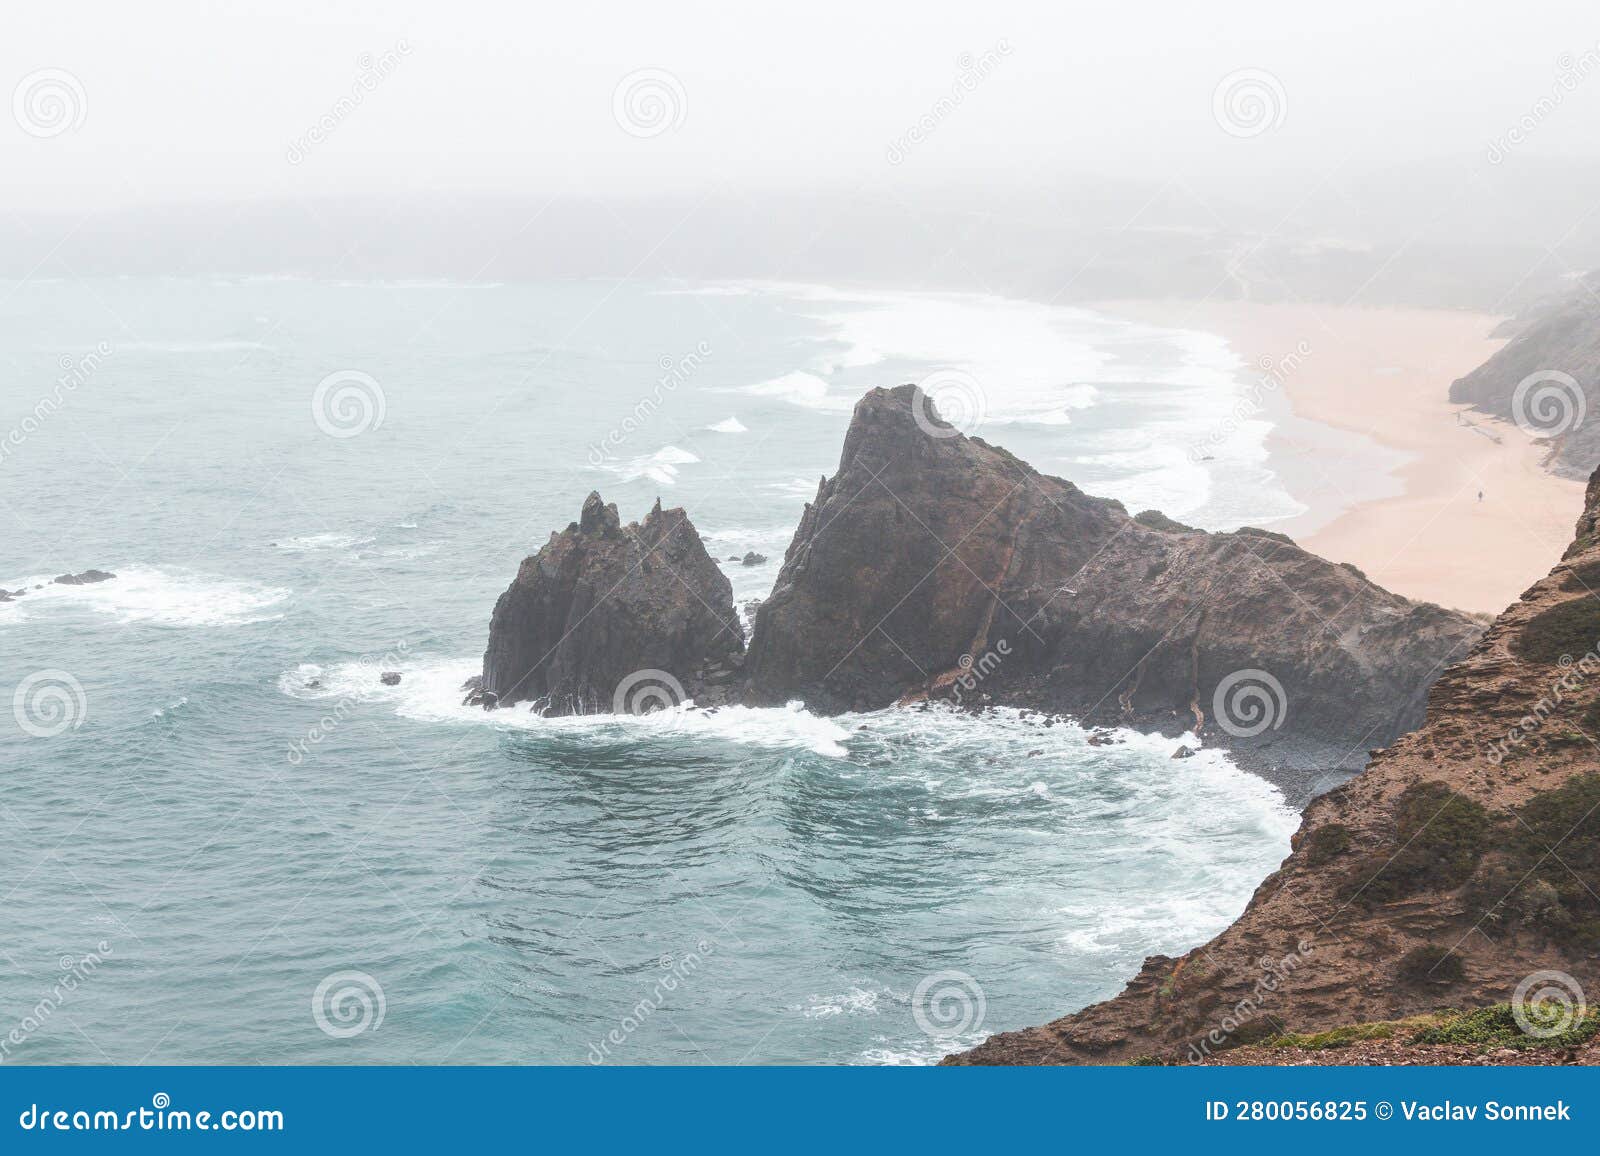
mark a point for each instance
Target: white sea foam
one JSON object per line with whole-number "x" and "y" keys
{"x": 431, "y": 692}
{"x": 803, "y": 488}
{"x": 660, "y": 467}
{"x": 160, "y": 597}
{"x": 328, "y": 541}
{"x": 730, "y": 425}
{"x": 806, "y": 390}
{"x": 1038, "y": 365}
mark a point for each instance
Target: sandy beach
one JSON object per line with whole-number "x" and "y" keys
{"x": 1384, "y": 375}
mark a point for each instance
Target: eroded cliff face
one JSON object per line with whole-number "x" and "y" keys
{"x": 1463, "y": 861}
{"x": 602, "y": 603}
{"x": 936, "y": 564}
{"x": 1553, "y": 362}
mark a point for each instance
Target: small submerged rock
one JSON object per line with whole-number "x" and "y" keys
{"x": 83, "y": 579}
{"x": 477, "y": 696}
{"x": 1183, "y": 752}
{"x": 753, "y": 559}
{"x": 390, "y": 678}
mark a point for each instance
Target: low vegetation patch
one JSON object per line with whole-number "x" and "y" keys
{"x": 1439, "y": 839}
{"x": 1570, "y": 629}
{"x": 1535, "y": 885}
{"x": 1336, "y": 1037}
{"x": 1327, "y": 842}
{"x": 1430, "y": 965}
{"x": 1496, "y": 1027}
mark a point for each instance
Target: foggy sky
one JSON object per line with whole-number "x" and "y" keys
{"x": 183, "y": 101}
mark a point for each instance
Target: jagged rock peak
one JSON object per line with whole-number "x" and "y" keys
{"x": 601, "y": 603}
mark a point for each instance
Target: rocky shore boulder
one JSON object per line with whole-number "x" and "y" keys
{"x": 935, "y": 564}
{"x": 83, "y": 579}
{"x": 607, "y": 617}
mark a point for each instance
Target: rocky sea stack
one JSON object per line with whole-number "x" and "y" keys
{"x": 607, "y": 617}
{"x": 935, "y": 564}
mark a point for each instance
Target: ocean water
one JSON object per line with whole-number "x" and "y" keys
{"x": 225, "y": 839}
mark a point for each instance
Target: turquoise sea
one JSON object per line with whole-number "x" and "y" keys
{"x": 224, "y": 839}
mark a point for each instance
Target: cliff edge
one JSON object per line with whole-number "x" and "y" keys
{"x": 1462, "y": 869}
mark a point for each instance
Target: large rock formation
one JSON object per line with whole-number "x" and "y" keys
{"x": 606, "y": 617}
{"x": 1464, "y": 861}
{"x": 1554, "y": 360}
{"x": 935, "y": 563}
